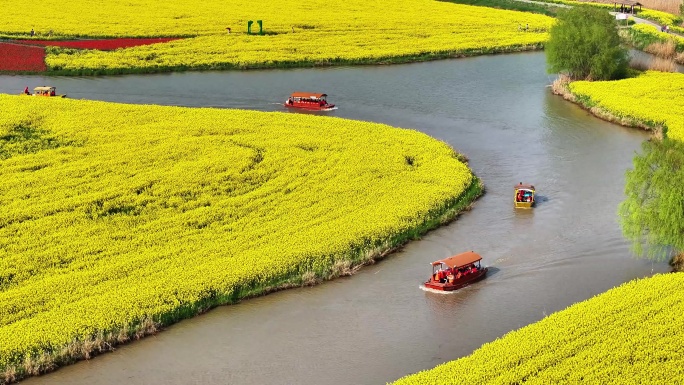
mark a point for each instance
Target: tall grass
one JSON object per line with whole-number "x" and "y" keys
{"x": 662, "y": 65}
{"x": 665, "y": 57}
{"x": 669, "y": 6}
{"x": 665, "y": 50}
{"x": 680, "y": 58}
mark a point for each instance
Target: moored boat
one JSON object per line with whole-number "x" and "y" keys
{"x": 456, "y": 272}
{"x": 524, "y": 196}
{"x": 308, "y": 101}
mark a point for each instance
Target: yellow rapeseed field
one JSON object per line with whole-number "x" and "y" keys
{"x": 629, "y": 335}
{"x": 297, "y": 32}
{"x": 111, "y": 213}
{"x": 655, "y": 98}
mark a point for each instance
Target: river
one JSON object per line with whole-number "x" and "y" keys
{"x": 378, "y": 325}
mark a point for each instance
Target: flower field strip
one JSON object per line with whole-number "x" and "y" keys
{"x": 111, "y": 214}
{"x": 102, "y": 44}
{"x": 654, "y": 98}
{"x": 307, "y": 48}
{"x": 628, "y": 335}
{"x": 643, "y": 35}
{"x": 347, "y": 32}
{"x": 16, "y": 57}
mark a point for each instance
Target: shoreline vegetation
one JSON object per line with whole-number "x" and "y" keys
{"x": 561, "y": 87}
{"x": 651, "y": 100}
{"x": 170, "y": 188}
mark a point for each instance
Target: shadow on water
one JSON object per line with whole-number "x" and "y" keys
{"x": 492, "y": 271}
{"x": 540, "y": 200}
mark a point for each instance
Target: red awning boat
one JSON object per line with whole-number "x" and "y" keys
{"x": 308, "y": 101}
{"x": 456, "y": 272}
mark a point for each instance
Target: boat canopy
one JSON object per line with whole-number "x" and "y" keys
{"x": 307, "y": 95}
{"x": 524, "y": 187}
{"x": 459, "y": 260}
{"x": 43, "y": 88}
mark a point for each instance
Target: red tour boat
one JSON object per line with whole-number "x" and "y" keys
{"x": 456, "y": 272}
{"x": 308, "y": 101}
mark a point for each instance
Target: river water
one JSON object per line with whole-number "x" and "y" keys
{"x": 378, "y": 325}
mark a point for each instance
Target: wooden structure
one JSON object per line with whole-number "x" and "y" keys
{"x": 456, "y": 272}
{"x": 308, "y": 101}
{"x": 626, "y": 6}
{"x": 524, "y": 196}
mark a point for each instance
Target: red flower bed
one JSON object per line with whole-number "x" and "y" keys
{"x": 102, "y": 45}
{"x": 15, "y": 57}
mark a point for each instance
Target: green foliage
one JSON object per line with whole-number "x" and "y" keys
{"x": 585, "y": 45}
{"x": 653, "y": 212}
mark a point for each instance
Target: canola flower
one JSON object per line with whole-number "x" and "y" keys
{"x": 297, "y": 33}
{"x": 654, "y": 98}
{"x": 111, "y": 214}
{"x": 650, "y": 34}
{"x": 628, "y": 335}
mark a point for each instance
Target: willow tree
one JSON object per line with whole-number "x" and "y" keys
{"x": 652, "y": 215}
{"x": 584, "y": 44}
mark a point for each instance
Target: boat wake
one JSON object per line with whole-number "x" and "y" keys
{"x": 423, "y": 288}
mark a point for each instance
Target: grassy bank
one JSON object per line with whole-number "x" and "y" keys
{"x": 627, "y": 335}
{"x": 117, "y": 220}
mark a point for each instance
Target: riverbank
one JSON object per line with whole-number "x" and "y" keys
{"x": 652, "y": 101}
{"x": 594, "y": 341}
{"x": 172, "y": 213}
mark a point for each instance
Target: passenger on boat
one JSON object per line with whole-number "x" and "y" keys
{"x": 440, "y": 276}
{"x": 26, "y": 91}
{"x": 52, "y": 93}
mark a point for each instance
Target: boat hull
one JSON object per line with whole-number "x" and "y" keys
{"x": 524, "y": 205}
{"x": 45, "y": 96}
{"x": 325, "y": 107}
{"x": 457, "y": 284}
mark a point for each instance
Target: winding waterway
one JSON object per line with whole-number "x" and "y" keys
{"x": 378, "y": 325}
